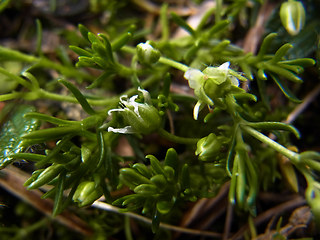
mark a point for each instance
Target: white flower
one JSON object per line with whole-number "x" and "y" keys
{"x": 209, "y": 80}
{"x": 140, "y": 117}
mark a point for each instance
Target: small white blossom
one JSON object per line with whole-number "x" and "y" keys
{"x": 211, "y": 79}
{"x": 141, "y": 117}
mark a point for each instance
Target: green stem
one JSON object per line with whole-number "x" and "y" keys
{"x": 163, "y": 60}
{"x": 218, "y": 11}
{"x": 174, "y": 64}
{"x": 15, "y": 55}
{"x": 127, "y": 228}
{"x": 276, "y": 146}
{"x": 24, "y": 232}
{"x": 177, "y": 139}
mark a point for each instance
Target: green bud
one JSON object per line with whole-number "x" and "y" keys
{"x": 147, "y": 54}
{"x": 146, "y": 189}
{"x": 293, "y": 16}
{"x": 208, "y": 148}
{"x": 87, "y": 193}
{"x": 46, "y": 176}
{"x": 141, "y": 117}
{"x": 165, "y": 206}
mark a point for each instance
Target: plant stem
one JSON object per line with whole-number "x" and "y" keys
{"x": 127, "y": 228}
{"x": 174, "y": 64}
{"x": 177, "y": 139}
{"x": 294, "y": 157}
{"x": 163, "y": 60}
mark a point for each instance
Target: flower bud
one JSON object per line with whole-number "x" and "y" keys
{"x": 208, "y": 148}
{"x": 147, "y": 54}
{"x": 293, "y": 16}
{"x": 87, "y": 193}
{"x": 46, "y": 176}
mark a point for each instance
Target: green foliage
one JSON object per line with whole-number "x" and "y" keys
{"x": 228, "y": 142}
{"x": 157, "y": 188}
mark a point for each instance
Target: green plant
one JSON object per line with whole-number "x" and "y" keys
{"x": 230, "y": 140}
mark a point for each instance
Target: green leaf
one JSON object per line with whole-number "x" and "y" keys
{"x": 171, "y": 159}
{"x": 183, "y": 24}
{"x": 221, "y": 25}
{"x": 277, "y": 69}
{"x": 50, "y": 119}
{"x": 14, "y": 128}
{"x": 57, "y": 208}
{"x": 50, "y": 133}
{"x": 160, "y": 181}
{"x": 142, "y": 169}
{"x": 132, "y": 178}
{"x": 281, "y": 52}
{"x": 78, "y": 95}
{"x": 266, "y": 45}
{"x": 80, "y": 51}
{"x": 107, "y": 46}
{"x": 155, "y": 165}
{"x": 84, "y": 31}
{"x": 121, "y": 41}
{"x": 303, "y": 62}
{"x": 275, "y": 126}
{"x": 284, "y": 88}
{"x": 146, "y": 189}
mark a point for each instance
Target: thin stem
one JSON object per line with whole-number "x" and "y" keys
{"x": 24, "y": 232}
{"x": 127, "y": 228}
{"x": 218, "y": 11}
{"x": 110, "y": 208}
{"x": 276, "y": 146}
{"x": 174, "y": 64}
{"x": 177, "y": 139}
{"x": 163, "y": 60}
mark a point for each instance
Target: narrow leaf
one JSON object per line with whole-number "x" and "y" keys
{"x": 266, "y": 45}
{"x": 275, "y": 126}
{"x": 284, "y": 88}
{"x": 183, "y": 24}
{"x": 78, "y": 95}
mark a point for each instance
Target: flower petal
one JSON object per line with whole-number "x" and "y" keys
{"x": 224, "y": 66}
{"x": 115, "y": 110}
{"x": 197, "y": 108}
{"x": 146, "y": 95}
{"x": 194, "y": 77}
{"x": 125, "y": 130}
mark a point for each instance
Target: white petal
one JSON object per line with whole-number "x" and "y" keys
{"x": 197, "y": 108}
{"x": 224, "y": 66}
{"x": 125, "y": 130}
{"x": 115, "y": 110}
{"x": 194, "y": 77}
{"x": 146, "y": 95}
